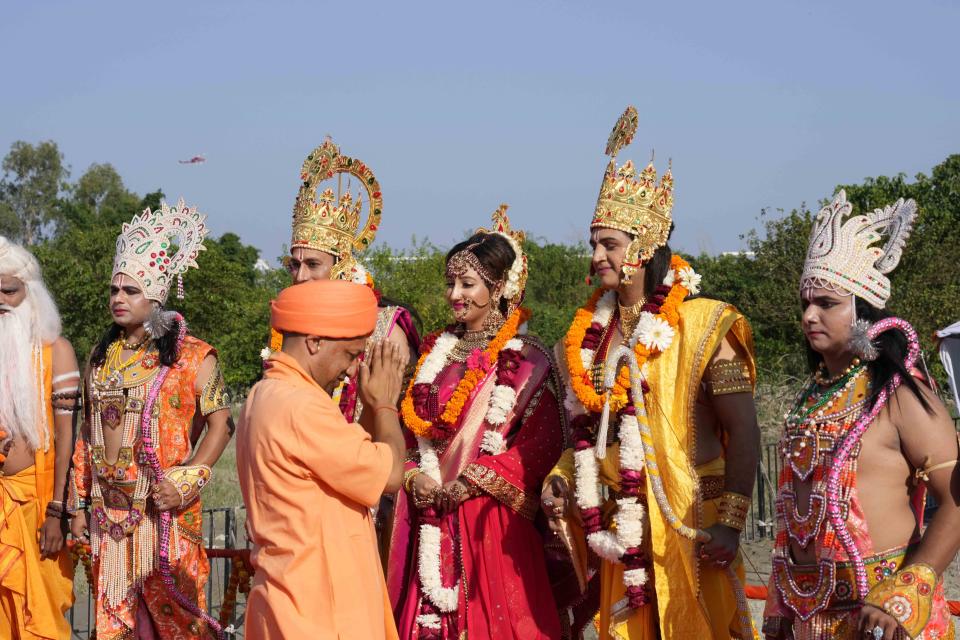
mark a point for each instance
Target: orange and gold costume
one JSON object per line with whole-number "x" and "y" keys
{"x": 141, "y": 583}
{"x": 35, "y": 593}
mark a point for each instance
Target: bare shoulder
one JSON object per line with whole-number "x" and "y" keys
{"x": 922, "y": 433}
{"x": 63, "y": 355}
{"x": 907, "y": 410}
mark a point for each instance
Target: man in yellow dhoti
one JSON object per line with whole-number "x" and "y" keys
{"x": 39, "y": 392}
{"x": 656, "y": 486}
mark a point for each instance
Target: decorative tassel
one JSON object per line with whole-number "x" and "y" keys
{"x": 160, "y": 322}
{"x": 179, "y": 286}
{"x": 601, "y": 448}
{"x": 860, "y": 342}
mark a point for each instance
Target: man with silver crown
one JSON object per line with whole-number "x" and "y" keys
{"x": 39, "y": 395}
{"x": 865, "y": 440}
{"x": 656, "y": 487}
{"x": 139, "y": 468}
{"x": 326, "y": 238}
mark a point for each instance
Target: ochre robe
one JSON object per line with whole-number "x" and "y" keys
{"x": 308, "y": 479}
{"x": 35, "y": 593}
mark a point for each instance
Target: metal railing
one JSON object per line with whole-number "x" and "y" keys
{"x": 223, "y": 528}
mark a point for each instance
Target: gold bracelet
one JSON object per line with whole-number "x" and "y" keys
{"x": 733, "y": 509}
{"x": 408, "y": 477}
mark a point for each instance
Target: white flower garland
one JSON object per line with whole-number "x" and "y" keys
{"x": 502, "y": 402}
{"x": 653, "y": 333}
{"x": 428, "y": 555}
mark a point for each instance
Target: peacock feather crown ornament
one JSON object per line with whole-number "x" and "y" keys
{"x": 159, "y": 246}
{"x": 842, "y": 256}
{"x": 634, "y": 204}
{"x": 515, "y": 281}
{"x": 331, "y": 223}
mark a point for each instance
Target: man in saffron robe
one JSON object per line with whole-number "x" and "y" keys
{"x": 39, "y": 392}
{"x": 309, "y": 477}
{"x": 660, "y": 395}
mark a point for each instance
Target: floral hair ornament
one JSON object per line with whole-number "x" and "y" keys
{"x": 157, "y": 247}
{"x": 515, "y": 280}
{"x": 331, "y": 223}
{"x": 842, "y": 257}
{"x": 634, "y": 205}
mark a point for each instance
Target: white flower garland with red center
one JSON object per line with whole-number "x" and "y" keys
{"x": 657, "y": 335}
{"x": 503, "y": 400}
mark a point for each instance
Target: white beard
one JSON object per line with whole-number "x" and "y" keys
{"x": 20, "y": 361}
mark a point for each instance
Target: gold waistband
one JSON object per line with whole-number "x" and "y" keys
{"x": 845, "y": 596}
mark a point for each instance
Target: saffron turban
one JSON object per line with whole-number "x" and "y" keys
{"x": 327, "y": 308}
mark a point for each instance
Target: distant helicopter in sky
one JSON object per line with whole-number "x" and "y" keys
{"x": 198, "y": 159}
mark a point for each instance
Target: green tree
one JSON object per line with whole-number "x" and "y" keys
{"x": 33, "y": 177}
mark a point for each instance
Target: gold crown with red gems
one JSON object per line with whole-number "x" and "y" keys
{"x": 634, "y": 205}
{"x": 332, "y": 224}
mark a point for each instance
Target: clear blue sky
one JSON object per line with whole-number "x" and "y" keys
{"x": 459, "y": 106}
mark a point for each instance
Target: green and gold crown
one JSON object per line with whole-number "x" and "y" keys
{"x": 634, "y": 204}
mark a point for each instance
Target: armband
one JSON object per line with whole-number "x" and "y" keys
{"x": 723, "y": 377}
{"x": 214, "y": 395}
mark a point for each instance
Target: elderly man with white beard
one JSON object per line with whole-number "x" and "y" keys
{"x": 39, "y": 396}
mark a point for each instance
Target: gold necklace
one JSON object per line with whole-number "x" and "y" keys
{"x": 113, "y": 367}
{"x": 630, "y": 316}
{"x": 470, "y": 342}
{"x": 819, "y": 378}
{"x": 135, "y": 345}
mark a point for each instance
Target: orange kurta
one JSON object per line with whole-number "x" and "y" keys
{"x": 309, "y": 479}
{"x": 35, "y": 593}
{"x": 176, "y": 408}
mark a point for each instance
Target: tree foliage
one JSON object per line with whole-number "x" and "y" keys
{"x": 33, "y": 177}
{"x": 227, "y": 300}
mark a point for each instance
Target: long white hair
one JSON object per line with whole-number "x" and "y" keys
{"x": 24, "y": 330}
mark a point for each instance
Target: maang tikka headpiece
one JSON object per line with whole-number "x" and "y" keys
{"x": 841, "y": 256}
{"x": 159, "y": 246}
{"x": 514, "y": 283}
{"x": 331, "y": 223}
{"x": 634, "y": 205}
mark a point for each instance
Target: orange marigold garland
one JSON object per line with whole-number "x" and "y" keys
{"x": 450, "y": 415}
{"x": 581, "y": 381}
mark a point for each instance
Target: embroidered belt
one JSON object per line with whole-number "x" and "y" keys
{"x": 809, "y": 588}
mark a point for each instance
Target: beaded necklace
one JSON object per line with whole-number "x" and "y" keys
{"x": 828, "y": 446}
{"x": 817, "y": 423}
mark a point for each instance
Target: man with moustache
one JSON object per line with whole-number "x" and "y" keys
{"x": 39, "y": 394}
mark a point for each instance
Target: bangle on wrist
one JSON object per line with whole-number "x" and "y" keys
{"x": 408, "y": 477}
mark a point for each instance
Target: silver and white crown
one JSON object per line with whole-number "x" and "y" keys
{"x": 841, "y": 257}
{"x": 158, "y": 246}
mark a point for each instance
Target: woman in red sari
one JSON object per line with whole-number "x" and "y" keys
{"x": 485, "y": 427}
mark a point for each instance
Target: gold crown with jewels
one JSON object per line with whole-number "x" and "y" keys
{"x": 634, "y": 204}
{"x": 331, "y": 223}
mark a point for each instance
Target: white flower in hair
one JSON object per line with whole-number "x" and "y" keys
{"x": 690, "y": 280}
{"x": 656, "y": 334}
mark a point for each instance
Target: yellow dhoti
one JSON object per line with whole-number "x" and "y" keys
{"x": 716, "y": 598}
{"x": 35, "y": 593}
